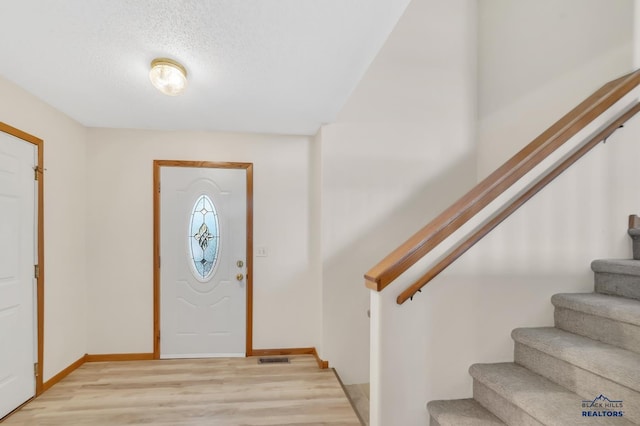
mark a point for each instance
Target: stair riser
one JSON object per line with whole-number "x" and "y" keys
{"x": 635, "y": 243}
{"x": 618, "y": 284}
{"x": 505, "y": 410}
{"x": 623, "y": 335}
{"x": 582, "y": 382}
{"x": 461, "y": 412}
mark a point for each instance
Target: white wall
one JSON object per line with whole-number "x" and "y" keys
{"x": 64, "y": 222}
{"x": 119, "y": 243}
{"x": 537, "y": 60}
{"x": 401, "y": 150}
{"x": 636, "y": 33}
{"x": 423, "y": 349}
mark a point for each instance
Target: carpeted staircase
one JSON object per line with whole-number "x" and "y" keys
{"x": 583, "y": 371}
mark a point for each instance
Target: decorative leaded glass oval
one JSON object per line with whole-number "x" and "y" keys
{"x": 204, "y": 238}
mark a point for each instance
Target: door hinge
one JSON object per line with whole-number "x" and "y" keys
{"x": 35, "y": 369}
{"x": 37, "y": 171}
{"x": 36, "y": 271}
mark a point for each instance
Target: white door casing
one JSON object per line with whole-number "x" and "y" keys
{"x": 18, "y": 255}
{"x": 202, "y": 316}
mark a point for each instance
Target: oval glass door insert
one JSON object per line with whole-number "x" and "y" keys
{"x": 204, "y": 238}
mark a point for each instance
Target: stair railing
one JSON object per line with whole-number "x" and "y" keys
{"x": 503, "y": 178}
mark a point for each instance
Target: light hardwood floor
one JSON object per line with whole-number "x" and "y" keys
{"x": 192, "y": 392}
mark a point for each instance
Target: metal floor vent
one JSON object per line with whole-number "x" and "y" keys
{"x": 274, "y": 360}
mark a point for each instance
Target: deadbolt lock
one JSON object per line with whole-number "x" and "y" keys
{"x": 239, "y": 263}
{"x": 239, "y": 277}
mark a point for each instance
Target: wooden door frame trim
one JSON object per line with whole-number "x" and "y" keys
{"x": 248, "y": 167}
{"x": 39, "y": 143}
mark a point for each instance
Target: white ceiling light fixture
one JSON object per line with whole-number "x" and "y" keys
{"x": 168, "y": 76}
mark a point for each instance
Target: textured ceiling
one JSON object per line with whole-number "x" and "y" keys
{"x": 269, "y": 66}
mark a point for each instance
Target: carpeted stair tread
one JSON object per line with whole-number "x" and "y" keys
{"x": 619, "y": 365}
{"x": 617, "y": 266}
{"x": 541, "y": 399}
{"x": 613, "y": 307}
{"x": 461, "y": 412}
{"x": 618, "y": 277}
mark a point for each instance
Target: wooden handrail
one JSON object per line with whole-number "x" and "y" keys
{"x": 514, "y": 205}
{"x": 451, "y": 219}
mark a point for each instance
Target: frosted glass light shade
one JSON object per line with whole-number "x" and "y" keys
{"x": 168, "y": 76}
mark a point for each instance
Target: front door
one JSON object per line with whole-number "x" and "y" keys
{"x": 203, "y": 262}
{"x": 18, "y": 219}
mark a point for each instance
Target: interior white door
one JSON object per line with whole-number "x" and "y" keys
{"x": 203, "y": 216}
{"x": 18, "y": 190}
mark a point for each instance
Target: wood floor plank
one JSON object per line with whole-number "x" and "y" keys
{"x": 235, "y": 391}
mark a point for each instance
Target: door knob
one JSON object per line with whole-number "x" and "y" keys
{"x": 239, "y": 277}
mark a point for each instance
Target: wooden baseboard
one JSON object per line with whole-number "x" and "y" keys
{"x": 291, "y": 351}
{"x": 94, "y": 358}
{"x": 64, "y": 373}
{"x": 322, "y": 364}
{"x": 119, "y": 357}
{"x": 282, "y": 351}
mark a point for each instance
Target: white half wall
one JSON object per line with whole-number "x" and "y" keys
{"x": 120, "y": 240}
{"x": 401, "y": 150}
{"x": 64, "y": 222}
